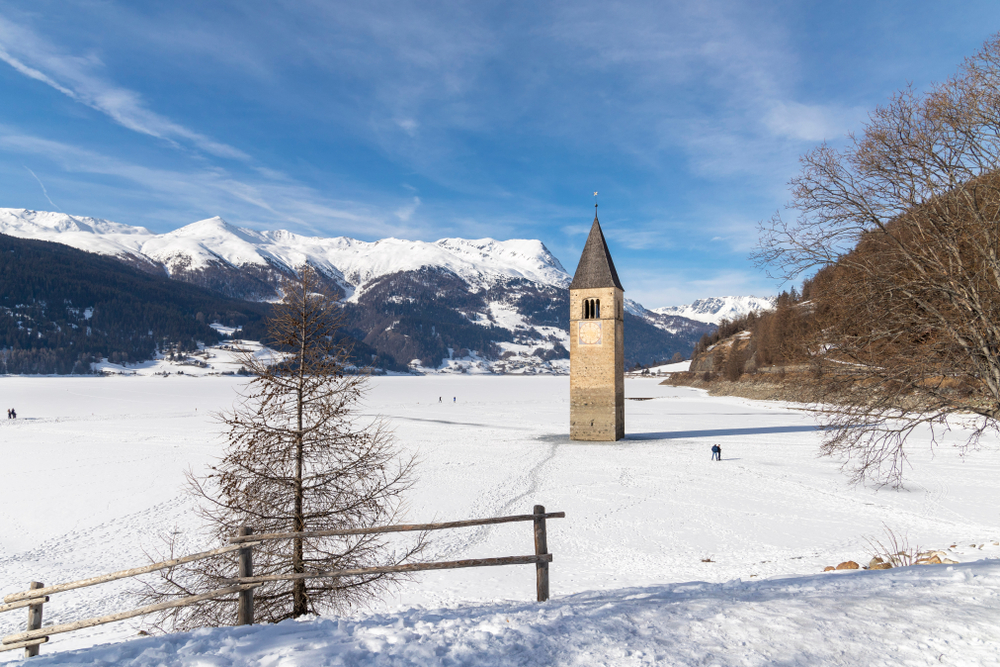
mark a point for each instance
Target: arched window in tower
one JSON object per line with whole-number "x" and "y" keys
{"x": 591, "y": 309}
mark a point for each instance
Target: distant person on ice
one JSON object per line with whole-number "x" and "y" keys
{"x": 716, "y": 453}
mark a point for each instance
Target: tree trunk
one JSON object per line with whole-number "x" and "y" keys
{"x": 300, "y": 603}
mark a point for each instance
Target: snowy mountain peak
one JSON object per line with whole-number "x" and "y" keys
{"x": 90, "y": 234}
{"x": 715, "y": 309}
{"x": 38, "y": 222}
{"x": 213, "y": 225}
{"x": 214, "y": 243}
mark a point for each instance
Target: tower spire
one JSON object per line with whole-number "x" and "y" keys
{"x": 596, "y": 268}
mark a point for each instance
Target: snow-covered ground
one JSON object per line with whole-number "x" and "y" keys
{"x": 664, "y": 557}
{"x": 678, "y": 367}
{"x": 223, "y": 359}
{"x": 227, "y": 358}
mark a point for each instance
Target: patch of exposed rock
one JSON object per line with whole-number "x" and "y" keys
{"x": 901, "y": 559}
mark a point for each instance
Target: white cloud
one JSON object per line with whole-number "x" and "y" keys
{"x": 31, "y": 71}
{"x": 409, "y": 125}
{"x": 78, "y": 78}
{"x": 214, "y": 190}
{"x": 406, "y": 212}
{"x": 811, "y": 122}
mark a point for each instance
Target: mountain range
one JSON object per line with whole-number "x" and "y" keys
{"x": 715, "y": 309}
{"x": 499, "y": 305}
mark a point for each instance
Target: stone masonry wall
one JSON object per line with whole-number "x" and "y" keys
{"x": 597, "y": 369}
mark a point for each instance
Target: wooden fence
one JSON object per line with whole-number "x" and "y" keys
{"x": 245, "y": 582}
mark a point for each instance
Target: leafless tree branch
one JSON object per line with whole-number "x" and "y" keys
{"x": 901, "y": 225}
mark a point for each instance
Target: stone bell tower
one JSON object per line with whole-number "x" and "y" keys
{"x": 597, "y": 344}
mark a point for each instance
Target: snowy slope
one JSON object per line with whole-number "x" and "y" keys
{"x": 715, "y": 309}
{"x": 911, "y": 616}
{"x": 89, "y": 234}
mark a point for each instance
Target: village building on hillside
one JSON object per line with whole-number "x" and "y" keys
{"x": 597, "y": 344}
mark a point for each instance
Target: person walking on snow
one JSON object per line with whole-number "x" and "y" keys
{"x": 716, "y": 453}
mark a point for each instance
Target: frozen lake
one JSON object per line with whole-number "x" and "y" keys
{"x": 93, "y": 474}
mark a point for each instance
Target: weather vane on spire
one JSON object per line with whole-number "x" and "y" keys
{"x": 595, "y": 200}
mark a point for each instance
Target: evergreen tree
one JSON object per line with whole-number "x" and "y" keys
{"x": 297, "y": 460}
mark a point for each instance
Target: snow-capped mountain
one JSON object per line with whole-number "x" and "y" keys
{"x": 454, "y": 302}
{"x": 246, "y": 263}
{"x": 715, "y": 309}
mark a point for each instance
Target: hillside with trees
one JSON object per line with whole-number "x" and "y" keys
{"x": 898, "y": 325}
{"x": 62, "y": 308}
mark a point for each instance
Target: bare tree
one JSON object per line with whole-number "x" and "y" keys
{"x": 902, "y": 224}
{"x": 298, "y": 459}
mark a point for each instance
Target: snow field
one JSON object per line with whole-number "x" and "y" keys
{"x": 859, "y": 619}
{"x": 687, "y": 557}
{"x": 864, "y": 618}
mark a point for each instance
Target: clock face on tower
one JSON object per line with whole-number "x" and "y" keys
{"x": 589, "y": 332}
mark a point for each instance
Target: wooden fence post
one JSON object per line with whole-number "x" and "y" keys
{"x": 244, "y": 609}
{"x": 541, "y": 547}
{"x": 34, "y": 620}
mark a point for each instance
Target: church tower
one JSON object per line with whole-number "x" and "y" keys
{"x": 596, "y": 344}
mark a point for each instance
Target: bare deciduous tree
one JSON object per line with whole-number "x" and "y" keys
{"x": 298, "y": 459}
{"x": 903, "y": 225}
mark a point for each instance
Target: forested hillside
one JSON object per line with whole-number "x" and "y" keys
{"x": 61, "y": 308}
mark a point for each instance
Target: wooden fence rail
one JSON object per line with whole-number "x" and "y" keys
{"x": 22, "y": 603}
{"x": 122, "y": 615}
{"x": 400, "y": 528}
{"x": 409, "y": 567}
{"x": 123, "y": 574}
{"x": 243, "y": 585}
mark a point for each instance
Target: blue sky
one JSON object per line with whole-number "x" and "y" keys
{"x": 425, "y": 120}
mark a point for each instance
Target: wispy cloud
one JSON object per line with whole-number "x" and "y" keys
{"x": 44, "y": 191}
{"x": 409, "y": 125}
{"x": 404, "y": 213}
{"x": 812, "y": 122}
{"x": 80, "y": 78}
{"x": 214, "y": 190}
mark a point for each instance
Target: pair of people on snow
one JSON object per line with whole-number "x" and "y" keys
{"x": 716, "y": 453}
{"x": 11, "y": 414}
